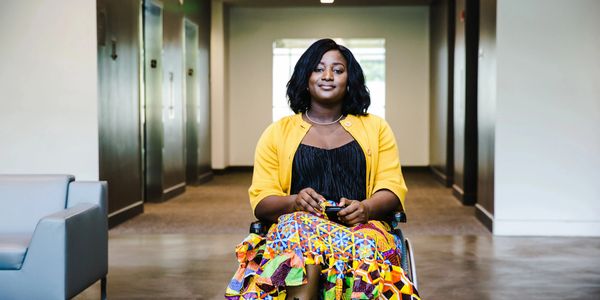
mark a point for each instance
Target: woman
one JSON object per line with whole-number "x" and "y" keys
{"x": 330, "y": 153}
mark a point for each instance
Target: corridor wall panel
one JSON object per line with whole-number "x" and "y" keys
{"x": 198, "y": 165}
{"x": 153, "y": 100}
{"x": 119, "y": 105}
{"x": 177, "y": 134}
{"x": 48, "y": 79}
{"x": 465, "y": 101}
{"x": 201, "y": 16}
{"x": 486, "y": 111}
{"x": 219, "y": 85}
{"x": 547, "y": 140}
{"x": 173, "y": 110}
{"x": 441, "y": 113}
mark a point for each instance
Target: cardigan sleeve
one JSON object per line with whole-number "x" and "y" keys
{"x": 388, "y": 174}
{"x": 265, "y": 179}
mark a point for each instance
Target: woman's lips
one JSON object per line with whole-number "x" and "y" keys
{"x": 327, "y": 87}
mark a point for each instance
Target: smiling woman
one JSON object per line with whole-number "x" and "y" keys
{"x": 331, "y": 153}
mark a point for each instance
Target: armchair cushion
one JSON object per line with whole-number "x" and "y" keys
{"x": 12, "y": 250}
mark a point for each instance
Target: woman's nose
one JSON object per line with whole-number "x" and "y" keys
{"x": 327, "y": 75}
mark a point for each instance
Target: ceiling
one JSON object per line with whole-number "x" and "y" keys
{"x": 279, "y": 3}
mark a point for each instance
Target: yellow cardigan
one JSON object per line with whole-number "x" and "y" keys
{"x": 277, "y": 146}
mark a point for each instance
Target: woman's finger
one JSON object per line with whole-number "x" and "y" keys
{"x": 308, "y": 193}
{"x": 314, "y": 199}
{"x": 309, "y": 208}
{"x": 351, "y": 206}
{"x": 308, "y": 203}
{"x": 344, "y": 202}
{"x": 301, "y": 202}
{"x": 307, "y": 190}
{"x": 353, "y": 218}
{"x": 314, "y": 206}
{"x": 316, "y": 196}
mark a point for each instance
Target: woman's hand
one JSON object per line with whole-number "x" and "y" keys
{"x": 356, "y": 212}
{"x": 308, "y": 200}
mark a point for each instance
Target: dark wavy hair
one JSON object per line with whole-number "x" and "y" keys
{"x": 357, "y": 98}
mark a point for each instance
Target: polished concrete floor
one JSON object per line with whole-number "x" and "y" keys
{"x": 454, "y": 261}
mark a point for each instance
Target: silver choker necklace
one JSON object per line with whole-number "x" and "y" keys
{"x": 322, "y": 123}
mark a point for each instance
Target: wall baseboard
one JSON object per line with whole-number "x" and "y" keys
{"x": 457, "y": 192}
{"x": 485, "y": 217}
{"x": 169, "y": 193}
{"x": 205, "y": 177}
{"x": 174, "y": 191}
{"x": 563, "y": 228}
{"x": 202, "y": 178}
{"x": 233, "y": 169}
{"x": 125, "y": 214}
{"x": 465, "y": 199}
{"x": 415, "y": 169}
{"x": 442, "y": 177}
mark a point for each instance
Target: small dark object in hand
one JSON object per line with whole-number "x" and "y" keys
{"x": 332, "y": 211}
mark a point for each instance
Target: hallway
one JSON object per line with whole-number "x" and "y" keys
{"x": 183, "y": 249}
{"x": 497, "y": 97}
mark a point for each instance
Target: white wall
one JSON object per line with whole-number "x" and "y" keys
{"x": 218, "y": 86}
{"x": 251, "y": 35}
{"x": 548, "y": 118}
{"x": 48, "y": 84}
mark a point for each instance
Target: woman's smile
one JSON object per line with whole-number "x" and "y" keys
{"x": 327, "y": 87}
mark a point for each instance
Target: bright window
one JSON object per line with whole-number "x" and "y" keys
{"x": 370, "y": 53}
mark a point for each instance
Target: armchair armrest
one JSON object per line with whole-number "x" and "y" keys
{"x": 72, "y": 243}
{"x": 87, "y": 192}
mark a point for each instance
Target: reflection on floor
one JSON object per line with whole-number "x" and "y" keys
{"x": 183, "y": 249}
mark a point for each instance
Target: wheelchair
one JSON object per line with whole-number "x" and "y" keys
{"x": 407, "y": 260}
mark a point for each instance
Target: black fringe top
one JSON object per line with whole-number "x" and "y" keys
{"x": 333, "y": 173}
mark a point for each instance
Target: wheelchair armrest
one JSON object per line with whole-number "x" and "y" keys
{"x": 400, "y": 217}
{"x": 259, "y": 227}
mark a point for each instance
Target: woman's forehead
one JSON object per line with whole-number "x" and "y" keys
{"x": 333, "y": 57}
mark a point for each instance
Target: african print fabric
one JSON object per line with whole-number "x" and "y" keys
{"x": 361, "y": 262}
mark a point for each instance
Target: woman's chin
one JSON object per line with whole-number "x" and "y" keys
{"x": 328, "y": 99}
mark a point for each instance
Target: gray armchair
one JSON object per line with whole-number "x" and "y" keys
{"x": 53, "y": 236}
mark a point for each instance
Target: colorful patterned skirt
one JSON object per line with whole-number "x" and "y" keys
{"x": 361, "y": 262}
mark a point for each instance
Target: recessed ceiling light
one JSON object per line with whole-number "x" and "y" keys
{"x": 326, "y": 1}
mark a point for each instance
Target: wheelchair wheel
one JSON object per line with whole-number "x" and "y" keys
{"x": 412, "y": 268}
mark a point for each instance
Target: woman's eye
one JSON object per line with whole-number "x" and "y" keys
{"x": 340, "y": 71}
{"x": 318, "y": 69}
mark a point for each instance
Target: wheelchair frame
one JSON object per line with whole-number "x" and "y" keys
{"x": 407, "y": 259}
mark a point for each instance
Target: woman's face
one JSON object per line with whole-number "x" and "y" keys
{"x": 328, "y": 81}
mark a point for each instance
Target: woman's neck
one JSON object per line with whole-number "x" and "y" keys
{"x": 324, "y": 114}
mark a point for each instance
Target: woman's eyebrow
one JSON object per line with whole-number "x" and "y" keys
{"x": 334, "y": 63}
